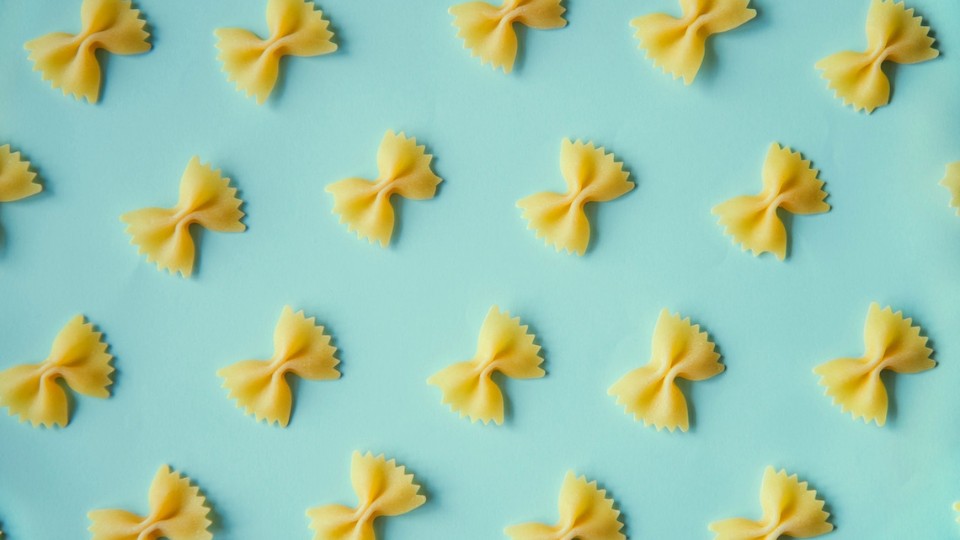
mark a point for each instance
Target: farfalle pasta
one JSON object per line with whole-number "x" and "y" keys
{"x": 790, "y": 509}
{"x": 680, "y": 350}
{"x": 383, "y": 488}
{"x": 301, "y": 348}
{"x": 178, "y": 511}
{"x": 70, "y": 62}
{"x": 488, "y": 32}
{"x": 78, "y": 358}
{"x": 892, "y": 342}
{"x": 893, "y": 35}
{"x": 586, "y": 513}
{"x": 17, "y": 181}
{"x": 592, "y": 175}
{"x": 789, "y": 183}
{"x": 678, "y": 44}
{"x": 297, "y": 28}
{"x": 163, "y": 234}
{"x": 951, "y": 181}
{"x": 364, "y": 205}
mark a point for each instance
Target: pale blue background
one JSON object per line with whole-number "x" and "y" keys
{"x": 401, "y": 314}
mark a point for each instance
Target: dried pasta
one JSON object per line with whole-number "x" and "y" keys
{"x": 586, "y": 513}
{"x": 78, "y": 357}
{"x": 69, "y": 61}
{"x": 504, "y": 346}
{"x": 487, "y": 30}
{"x": 365, "y": 206}
{"x": 650, "y": 393}
{"x": 163, "y": 234}
{"x": 892, "y": 342}
{"x": 951, "y": 181}
{"x": 789, "y": 183}
{"x": 296, "y": 29}
{"x": 789, "y": 509}
{"x": 678, "y": 44}
{"x": 383, "y": 488}
{"x": 592, "y": 175}
{"x": 893, "y": 35}
{"x": 301, "y": 348}
{"x": 17, "y": 181}
{"x": 178, "y": 511}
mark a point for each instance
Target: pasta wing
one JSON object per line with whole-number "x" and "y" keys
{"x": 163, "y": 234}
{"x": 297, "y": 28}
{"x": 680, "y": 350}
{"x": 17, "y": 181}
{"x": 678, "y": 44}
{"x": 301, "y": 348}
{"x": 505, "y": 346}
{"x": 177, "y": 512}
{"x": 894, "y": 34}
{"x": 891, "y": 342}
{"x": 69, "y": 61}
{"x": 365, "y": 206}
{"x": 383, "y": 488}
{"x": 789, "y": 509}
{"x": 78, "y": 357}
{"x": 488, "y": 31}
{"x": 790, "y": 183}
{"x": 592, "y": 175}
{"x": 951, "y": 181}
{"x": 586, "y": 513}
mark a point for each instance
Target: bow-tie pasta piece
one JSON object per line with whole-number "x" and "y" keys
{"x": 504, "y": 345}
{"x": 487, "y": 30}
{"x": 177, "y": 512}
{"x": 592, "y": 175}
{"x": 586, "y": 513}
{"x": 163, "y": 234}
{"x": 383, "y": 488}
{"x": 69, "y": 61}
{"x": 650, "y": 393}
{"x": 78, "y": 357}
{"x": 891, "y": 342}
{"x": 301, "y": 348}
{"x": 790, "y": 183}
{"x": 789, "y": 510}
{"x": 893, "y": 35}
{"x": 17, "y": 181}
{"x": 296, "y": 29}
{"x": 951, "y": 181}
{"x": 364, "y": 205}
{"x": 678, "y": 44}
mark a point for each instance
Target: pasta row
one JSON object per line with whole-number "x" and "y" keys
{"x": 487, "y": 30}
{"x": 70, "y": 62}
{"x": 78, "y": 358}
{"x": 297, "y": 28}
{"x": 586, "y": 513}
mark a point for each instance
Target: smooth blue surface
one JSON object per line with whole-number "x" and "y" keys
{"x": 400, "y": 314}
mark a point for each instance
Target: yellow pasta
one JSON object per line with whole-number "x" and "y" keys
{"x": 586, "y": 513}
{"x": 890, "y": 342}
{"x": 789, "y": 183}
{"x": 364, "y": 205}
{"x": 680, "y": 350}
{"x": 163, "y": 234}
{"x": 893, "y": 35}
{"x": 69, "y": 61}
{"x": 301, "y": 348}
{"x": 383, "y": 489}
{"x": 592, "y": 175}
{"x": 78, "y": 358}
{"x": 789, "y": 509}
{"x": 177, "y": 512}
{"x": 678, "y": 45}
{"x": 504, "y": 346}
{"x": 296, "y": 29}
{"x": 951, "y": 181}
{"x": 487, "y": 30}
{"x": 17, "y": 181}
